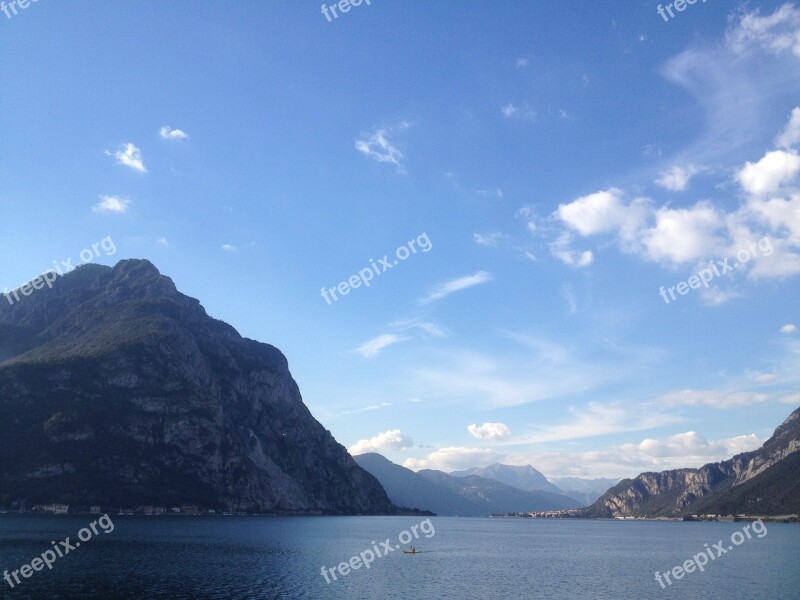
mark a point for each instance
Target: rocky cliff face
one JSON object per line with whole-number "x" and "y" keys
{"x": 116, "y": 389}
{"x": 765, "y": 481}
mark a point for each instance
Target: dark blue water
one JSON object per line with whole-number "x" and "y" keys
{"x": 488, "y": 559}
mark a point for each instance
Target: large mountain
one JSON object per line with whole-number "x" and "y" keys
{"x": 118, "y": 390}
{"x": 763, "y": 482}
{"x": 524, "y": 478}
{"x": 446, "y": 495}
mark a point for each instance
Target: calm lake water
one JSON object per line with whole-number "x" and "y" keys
{"x": 489, "y": 559}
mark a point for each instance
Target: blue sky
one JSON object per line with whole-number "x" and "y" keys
{"x": 563, "y": 160}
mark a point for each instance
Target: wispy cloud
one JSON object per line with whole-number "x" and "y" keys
{"x": 598, "y": 419}
{"x": 561, "y": 248}
{"x": 569, "y": 295}
{"x": 490, "y": 193}
{"x": 510, "y": 111}
{"x": 168, "y": 133}
{"x": 376, "y": 145}
{"x": 374, "y": 346}
{"x": 712, "y": 398}
{"x": 228, "y": 248}
{"x": 130, "y": 156}
{"x": 425, "y": 327}
{"x": 488, "y": 239}
{"x": 455, "y": 285}
{"x": 111, "y": 204}
{"x": 546, "y": 371}
{"x": 370, "y": 408}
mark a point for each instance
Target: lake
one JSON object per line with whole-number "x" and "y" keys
{"x": 490, "y": 559}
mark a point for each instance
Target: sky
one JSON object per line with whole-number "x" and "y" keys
{"x": 564, "y": 234}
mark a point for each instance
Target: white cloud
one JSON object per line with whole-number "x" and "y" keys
{"x": 130, "y": 156}
{"x": 735, "y": 86}
{"x": 596, "y": 213}
{"x": 111, "y": 204}
{"x": 168, "y": 133}
{"x": 162, "y": 241}
{"x": 677, "y": 178}
{"x": 376, "y": 145}
{"x": 374, "y": 346}
{"x": 455, "y": 285}
{"x": 522, "y": 62}
{"x": 389, "y": 440}
{"x": 789, "y": 328}
{"x": 712, "y": 398}
{"x": 228, "y": 248}
{"x": 766, "y": 176}
{"x": 453, "y": 459}
{"x": 599, "y": 213}
{"x": 790, "y": 136}
{"x": 684, "y": 234}
{"x": 562, "y": 250}
{"x": 490, "y": 431}
{"x": 779, "y": 213}
{"x": 777, "y": 33}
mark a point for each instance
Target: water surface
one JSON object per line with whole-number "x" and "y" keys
{"x": 490, "y": 559}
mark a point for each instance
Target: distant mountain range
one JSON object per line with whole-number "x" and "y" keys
{"x": 464, "y": 495}
{"x": 585, "y": 491}
{"x": 524, "y": 478}
{"x": 527, "y": 478}
{"x": 118, "y": 390}
{"x": 763, "y": 482}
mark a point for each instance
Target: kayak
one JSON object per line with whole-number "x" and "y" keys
{"x": 412, "y": 551}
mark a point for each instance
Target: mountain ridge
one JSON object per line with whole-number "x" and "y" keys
{"x": 446, "y": 495}
{"x": 735, "y": 485}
